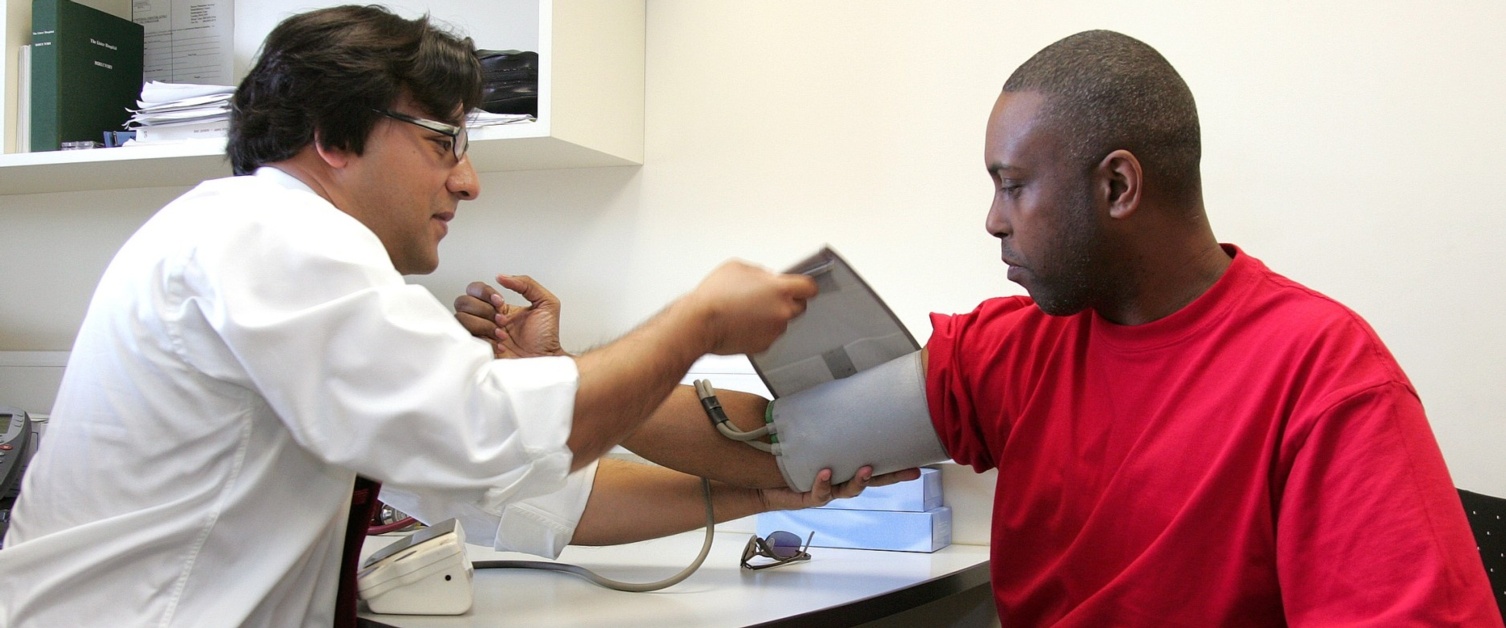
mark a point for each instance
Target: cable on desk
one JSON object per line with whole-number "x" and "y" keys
{"x": 608, "y": 582}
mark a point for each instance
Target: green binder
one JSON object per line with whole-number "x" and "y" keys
{"x": 85, "y": 72}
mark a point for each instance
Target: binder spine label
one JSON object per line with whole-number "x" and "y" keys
{"x": 44, "y": 75}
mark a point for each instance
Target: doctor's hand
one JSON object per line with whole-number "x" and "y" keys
{"x": 822, "y": 492}
{"x": 514, "y": 331}
{"x": 744, "y": 307}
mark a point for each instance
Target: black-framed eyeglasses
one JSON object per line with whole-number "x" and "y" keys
{"x": 783, "y": 547}
{"x": 459, "y": 139}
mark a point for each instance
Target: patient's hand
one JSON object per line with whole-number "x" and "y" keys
{"x": 822, "y": 492}
{"x": 514, "y": 331}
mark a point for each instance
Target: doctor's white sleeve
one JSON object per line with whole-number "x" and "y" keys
{"x": 541, "y": 525}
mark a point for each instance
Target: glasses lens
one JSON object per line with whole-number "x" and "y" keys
{"x": 783, "y": 544}
{"x": 462, "y": 143}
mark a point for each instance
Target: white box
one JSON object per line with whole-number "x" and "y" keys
{"x": 865, "y": 529}
{"x": 918, "y": 495}
{"x": 424, "y": 573}
{"x": 29, "y": 380}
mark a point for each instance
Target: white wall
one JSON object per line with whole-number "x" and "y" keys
{"x": 1350, "y": 145}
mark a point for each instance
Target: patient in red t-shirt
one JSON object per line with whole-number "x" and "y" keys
{"x": 1182, "y": 436}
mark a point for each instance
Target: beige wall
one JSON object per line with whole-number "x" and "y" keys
{"x": 1353, "y": 146}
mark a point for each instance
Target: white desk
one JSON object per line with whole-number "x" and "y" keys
{"x": 836, "y": 587}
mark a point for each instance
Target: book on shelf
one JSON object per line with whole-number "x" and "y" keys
{"x": 85, "y": 72}
{"x": 22, "y": 138}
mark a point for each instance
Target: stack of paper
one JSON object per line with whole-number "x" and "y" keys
{"x": 479, "y": 118}
{"x": 181, "y": 111}
{"x": 184, "y": 111}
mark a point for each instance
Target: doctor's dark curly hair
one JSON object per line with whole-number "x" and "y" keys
{"x": 326, "y": 71}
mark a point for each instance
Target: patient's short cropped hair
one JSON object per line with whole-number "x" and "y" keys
{"x": 1106, "y": 91}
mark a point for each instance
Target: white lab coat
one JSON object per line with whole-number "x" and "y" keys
{"x": 248, "y": 352}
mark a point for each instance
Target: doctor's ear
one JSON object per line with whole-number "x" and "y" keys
{"x": 334, "y": 157}
{"x": 1122, "y": 182}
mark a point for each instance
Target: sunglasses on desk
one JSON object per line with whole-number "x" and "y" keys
{"x": 782, "y": 547}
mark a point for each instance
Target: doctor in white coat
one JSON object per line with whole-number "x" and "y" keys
{"x": 253, "y": 347}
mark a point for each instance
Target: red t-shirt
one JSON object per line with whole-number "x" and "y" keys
{"x": 1256, "y": 458}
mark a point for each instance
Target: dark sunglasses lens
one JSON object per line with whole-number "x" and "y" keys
{"x": 783, "y": 544}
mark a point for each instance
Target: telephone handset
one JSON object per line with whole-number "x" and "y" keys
{"x": 17, "y": 443}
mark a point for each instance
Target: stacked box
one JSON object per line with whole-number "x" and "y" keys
{"x": 905, "y": 517}
{"x": 915, "y": 496}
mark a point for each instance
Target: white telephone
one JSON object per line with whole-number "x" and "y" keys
{"x": 425, "y": 573}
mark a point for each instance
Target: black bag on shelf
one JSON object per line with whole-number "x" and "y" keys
{"x": 509, "y": 81}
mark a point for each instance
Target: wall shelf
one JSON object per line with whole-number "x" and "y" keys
{"x": 590, "y": 104}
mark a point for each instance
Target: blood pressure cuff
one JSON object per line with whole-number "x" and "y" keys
{"x": 876, "y": 417}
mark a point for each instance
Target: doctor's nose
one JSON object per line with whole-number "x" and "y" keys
{"x": 463, "y": 181}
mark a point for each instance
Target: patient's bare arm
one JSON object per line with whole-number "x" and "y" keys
{"x": 633, "y": 502}
{"x": 680, "y": 436}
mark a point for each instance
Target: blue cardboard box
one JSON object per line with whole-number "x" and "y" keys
{"x": 865, "y": 529}
{"x": 918, "y": 495}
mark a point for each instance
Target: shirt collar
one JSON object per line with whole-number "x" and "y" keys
{"x": 277, "y": 176}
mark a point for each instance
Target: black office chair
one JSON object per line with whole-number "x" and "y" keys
{"x": 1487, "y": 517}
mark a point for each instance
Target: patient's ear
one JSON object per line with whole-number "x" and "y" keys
{"x": 1123, "y": 181}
